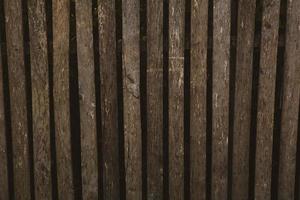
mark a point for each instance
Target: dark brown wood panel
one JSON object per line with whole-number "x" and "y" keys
{"x": 198, "y": 98}
{"x": 155, "y": 99}
{"x": 131, "y": 91}
{"x": 3, "y": 154}
{"x": 176, "y": 60}
{"x": 40, "y": 100}
{"x": 61, "y": 11}
{"x": 17, "y": 87}
{"x": 87, "y": 99}
{"x": 242, "y": 110}
{"x": 109, "y": 101}
{"x": 290, "y": 104}
{"x": 220, "y": 92}
{"x": 266, "y": 98}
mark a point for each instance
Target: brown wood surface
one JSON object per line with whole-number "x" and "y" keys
{"x": 16, "y": 68}
{"x": 198, "y": 98}
{"x": 40, "y": 100}
{"x": 87, "y": 99}
{"x": 242, "y": 110}
{"x": 266, "y": 98}
{"x": 3, "y": 157}
{"x": 176, "y": 59}
{"x": 61, "y": 98}
{"x": 155, "y": 99}
{"x": 131, "y": 91}
{"x": 108, "y": 76}
{"x": 221, "y": 43}
{"x": 290, "y": 104}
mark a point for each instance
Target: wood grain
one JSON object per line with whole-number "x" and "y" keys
{"x": 176, "y": 59}
{"x": 87, "y": 99}
{"x": 243, "y": 88}
{"x": 198, "y": 98}
{"x": 155, "y": 99}
{"x": 4, "y": 194}
{"x": 17, "y": 88}
{"x": 221, "y": 43}
{"x": 131, "y": 91}
{"x": 266, "y": 98}
{"x": 61, "y": 98}
{"x": 109, "y": 101}
{"x": 290, "y": 108}
{"x": 40, "y": 100}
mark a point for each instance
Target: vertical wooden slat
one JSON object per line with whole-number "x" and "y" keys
{"x": 155, "y": 100}
{"x": 198, "y": 98}
{"x": 17, "y": 87}
{"x": 221, "y": 43}
{"x": 131, "y": 91}
{"x": 61, "y": 97}
{"x": 3, "y": 156}
{"x": 40, "y": 100}
{"x": 242, "y": 110}
{"x": 290, "y": 103}
{"x": 87, "y": 99}
{"x": 176, "y": 59}
{"x": 266, "y": 97}
{"x": 109, "y": 101}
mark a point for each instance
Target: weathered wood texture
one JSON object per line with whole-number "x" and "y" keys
{"x": 61, "y": 11}
{"x": 87, "y": 99}
{"x": 40, "y": 100}
{"x": 242, "y": 109}
{"x": 155, "y": 99}
{"x": 131, "y": 91}
{"x": 17, "y": 88}
{"x": 266, "y": 99}
{"x": 198, "y": 98}
{"x": 176, "y": 59}
{"x": 109, "y": 100}
{"x": 290, "y": 104}
{"x": 220, "y": 91}
{"x": 3, "y": 156}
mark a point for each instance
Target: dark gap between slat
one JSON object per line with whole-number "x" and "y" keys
{"x": 98, "y": 97}
{"x": 74, "y": 105}
{"x": 209, "y": 113}
{"x": 7, "y": 106}
{"x": 119, "y": 57}
{"x": 143, "y": 92}
{"x": 254, "y": 97}
{"x": 166, "y": 194}
{"x": 49, "y": 24}
{"x": 232, "y": 77}
{"x": 297, "y": 175}
{"x": 278, "y": 99}
{"x": 27, "y": 65}
{"x": 187, "y": 98}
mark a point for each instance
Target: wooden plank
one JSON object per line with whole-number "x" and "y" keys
{"x": 154, "y": 99}
{"x": 109, "y": 101}
{"x": 198, "y": 98}
{"x": 87, "y": 99}
{"x": 17, "y": 87}
{"x": 221, "y": 43}
{"x": 3, "y": 157}
{"x": 266, "y": 98}
{"x": 176, "y": 60}
{"x": 242, "y": 110}
{"x": 131, "y": 91}
{"x": 40, "y": 100}
{"x": 61, "y": 98}
{"x": 290, "y": 108}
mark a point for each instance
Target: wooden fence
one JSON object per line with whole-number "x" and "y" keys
{"x": 149, "y": 99}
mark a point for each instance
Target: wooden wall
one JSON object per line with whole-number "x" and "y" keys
{"x": 148, "y": 99}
